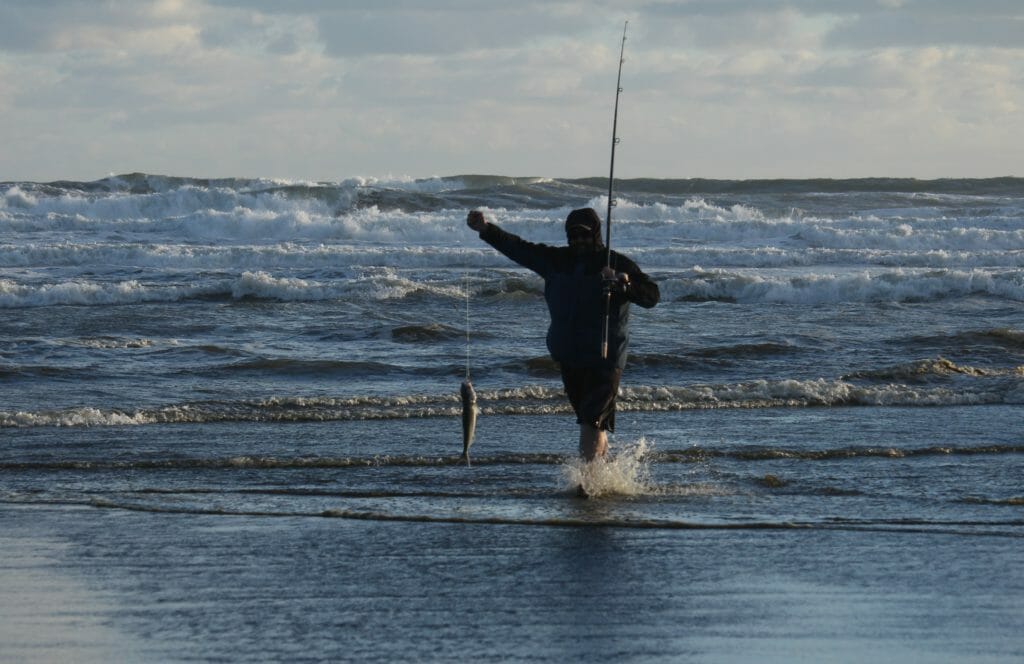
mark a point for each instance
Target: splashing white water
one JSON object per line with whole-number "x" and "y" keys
{"x": 626, "y": 473}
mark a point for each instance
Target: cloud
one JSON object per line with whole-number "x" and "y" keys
{"x": 72, "y": 25}
{"x": 319, "y": 88}
{"x": 253, "y": 32}
{"x": 841, "y": 24}
{"x": 434, "y": 31}
{"x": 911, "y": 28}
{"x": 359, "y": 28}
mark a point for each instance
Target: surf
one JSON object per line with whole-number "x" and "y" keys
{"x": 626, "y": 472}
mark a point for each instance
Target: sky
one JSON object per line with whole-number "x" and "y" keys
{"x": 326, "y": 90}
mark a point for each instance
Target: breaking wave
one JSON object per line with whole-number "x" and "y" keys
{"x": 537, "y": 400}
{"x": 719, "y": 285}
{"x": 924, "y": 369}
{"x": 675, "y": 223}
{"x": 383, "y": 283}
{"x": 370, "y": 285}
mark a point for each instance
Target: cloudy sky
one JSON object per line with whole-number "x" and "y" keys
{"x": 324, "y": 90}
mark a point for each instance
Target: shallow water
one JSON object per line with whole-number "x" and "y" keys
{"x": 229, "y": 425}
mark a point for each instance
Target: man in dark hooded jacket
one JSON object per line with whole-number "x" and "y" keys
{"x": 575, "y": 278}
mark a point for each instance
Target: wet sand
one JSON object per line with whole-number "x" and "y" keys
{"x": 91, "y": 585}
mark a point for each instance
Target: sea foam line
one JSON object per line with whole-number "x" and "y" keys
{"x": 862, "y": 286}
{"x": 370, "y": 284}
{"x": 403, "y": 212}
{"x": 1005, "y": 389}
{"x": 626, "y": 472}
{"x": 374, "y": 284}
{"x": 163, "y": 256}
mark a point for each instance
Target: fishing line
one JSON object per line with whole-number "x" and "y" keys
{"x": 466, "y": 392}
{"x": 466, "y": 288}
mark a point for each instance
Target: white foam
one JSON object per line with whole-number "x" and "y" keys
{"x": 264, "y": 231}
{"x": 73, "y": 417}
{"x": 77, "y": 292}
{"x": 110, "y": 343}
{"x": 859, "y": 286}
{"x": 194, "y": 212}
{"x": 804, "y": 393}
{"x": 625, "y": 472}
{"x": 336, "y": 255}
{"x": 15, "y": 197}
{"x": 381, "y": 284}
{"x": 263, "y": 285}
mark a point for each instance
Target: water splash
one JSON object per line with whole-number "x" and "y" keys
{"x": 626, "y": 473}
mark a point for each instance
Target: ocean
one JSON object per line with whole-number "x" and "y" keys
{"x": 229, "y": 424}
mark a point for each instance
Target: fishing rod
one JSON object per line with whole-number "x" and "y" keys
{"x": 611, "y": 198}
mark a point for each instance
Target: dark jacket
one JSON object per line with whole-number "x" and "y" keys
{"x": 574, "y": 292}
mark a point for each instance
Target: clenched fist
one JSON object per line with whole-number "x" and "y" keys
{"x": 475, "y": 220}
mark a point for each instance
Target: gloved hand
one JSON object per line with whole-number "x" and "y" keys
{"x": 475, "y": 220}
{"x": 617, "y": 282}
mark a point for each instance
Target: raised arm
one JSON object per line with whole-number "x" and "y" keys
{"x": 531, "y": 255}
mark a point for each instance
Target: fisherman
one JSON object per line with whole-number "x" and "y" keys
{"x": 575, "y": 278}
